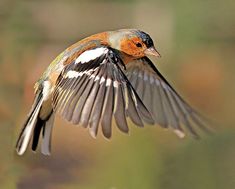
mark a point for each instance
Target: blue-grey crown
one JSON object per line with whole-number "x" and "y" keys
{"x": 145, "y": 38}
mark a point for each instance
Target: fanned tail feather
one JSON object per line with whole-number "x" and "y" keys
{"x": 29, "y": 124}
{"x": 33, "y": 127}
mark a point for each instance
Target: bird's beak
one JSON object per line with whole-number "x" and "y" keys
{"x": 152, "y": 52}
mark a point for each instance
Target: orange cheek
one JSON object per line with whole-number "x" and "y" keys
{"x": 130, "y": 48}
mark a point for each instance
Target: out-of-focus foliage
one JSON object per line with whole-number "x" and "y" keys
{"x": 197, "y": 41}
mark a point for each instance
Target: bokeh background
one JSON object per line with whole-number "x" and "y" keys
{"x": 197, "y": 43}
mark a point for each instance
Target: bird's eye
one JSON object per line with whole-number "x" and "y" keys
{"x": 138, "y": 45}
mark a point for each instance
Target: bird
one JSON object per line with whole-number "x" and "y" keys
{"x": 106, "y": 78}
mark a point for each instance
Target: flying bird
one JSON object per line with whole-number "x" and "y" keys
{"x": 102, "y": 78}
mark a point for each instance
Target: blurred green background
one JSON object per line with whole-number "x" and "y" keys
{"x": 197, "y": 43}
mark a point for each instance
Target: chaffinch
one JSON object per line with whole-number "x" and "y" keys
{"x": 107, "y": 75}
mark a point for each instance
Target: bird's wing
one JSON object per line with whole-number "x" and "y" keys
{"x": 93, "y": 89}
{"x": 166, "y": 106}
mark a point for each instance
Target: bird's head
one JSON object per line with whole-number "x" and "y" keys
{"x": 133, "y": 42}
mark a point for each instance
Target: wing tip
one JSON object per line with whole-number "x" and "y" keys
{"x": 179, "y": 133}
{"x": 93, "y": 134}
{"x": 107, "y": 135}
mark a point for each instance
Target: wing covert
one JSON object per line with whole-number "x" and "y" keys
{"x": 93, "y": 90}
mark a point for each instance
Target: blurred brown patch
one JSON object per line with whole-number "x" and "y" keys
{"x": 202, "y": 77}
{"x": 5, "y": 111}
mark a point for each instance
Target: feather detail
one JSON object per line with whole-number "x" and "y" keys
{"x": 93, "y": 90}
{"x": 163, "y": 102}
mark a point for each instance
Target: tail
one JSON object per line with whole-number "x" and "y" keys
{"x": 33, "y": 126}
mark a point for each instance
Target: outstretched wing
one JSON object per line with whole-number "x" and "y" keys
{"x": 166, "y": 106}
{"x": 93, "y": 89}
